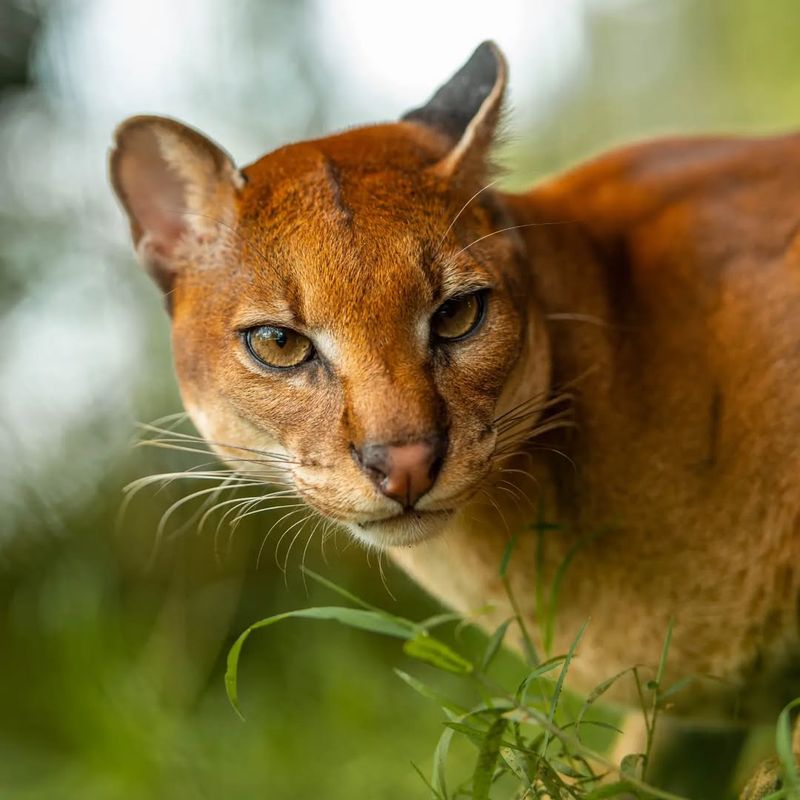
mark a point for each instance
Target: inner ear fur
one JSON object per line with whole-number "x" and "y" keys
{"x": 467, "y": 110}
{"x": 178, "y": 189}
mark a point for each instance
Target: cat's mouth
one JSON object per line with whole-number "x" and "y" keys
{"x": 403, "y": 529}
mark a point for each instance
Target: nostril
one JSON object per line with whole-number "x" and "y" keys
{"x": 436, "y": 467}
{"x": 356, "y": 455}
{"x": 372, "y": 460}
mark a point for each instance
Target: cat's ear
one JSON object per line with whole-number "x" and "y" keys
{"x": 178, "y": 188}
{"x": 467, "y": 110}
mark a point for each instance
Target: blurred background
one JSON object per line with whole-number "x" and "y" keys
{"x": 112, "y": 650}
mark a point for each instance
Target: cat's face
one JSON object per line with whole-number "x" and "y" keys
{"x": 336, "y": 304}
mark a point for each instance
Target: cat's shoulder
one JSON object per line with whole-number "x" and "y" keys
{"x": 632, "y": 184}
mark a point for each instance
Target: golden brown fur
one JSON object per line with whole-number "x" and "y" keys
{"x": 659, "y": 286}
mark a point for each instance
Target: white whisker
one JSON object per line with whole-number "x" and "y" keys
{"x": 515, "y": 228}
{"x": 462, "y": 209}
{"x": 267, "y": 534}
{"x": 303, "y": 522}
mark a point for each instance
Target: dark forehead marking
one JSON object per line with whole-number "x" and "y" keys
{"x": 335, "y": 182}
{"x": 431, "y": 268}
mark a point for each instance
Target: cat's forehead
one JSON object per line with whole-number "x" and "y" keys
{"x": 323, "y": 230}
{"x": 347, "y": 231}
{"x": 354, "y": 178}
{"x": 329, "y": 265}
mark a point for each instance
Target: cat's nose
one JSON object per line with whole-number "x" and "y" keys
{"x": 403, "y": 472}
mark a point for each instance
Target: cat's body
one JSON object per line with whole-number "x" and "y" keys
{"x": 673, "y": 313}
{"x": 365, "y": 317}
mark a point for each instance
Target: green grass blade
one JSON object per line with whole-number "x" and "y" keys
{"x": 662, "y": 662}
{"x": 438, "y": 774}
{"x": 534, "y": 674}
{"x": 518, "y": 763}
{"x": 493, "y": 646}
{"x": 596, "y": 694}
{"x": 676, "y": 687}
{"x": 475, "y": 735}
{"x": 373, "y": 621}
{"x": 439, "y": 619}
{"x": 560, "y": 684}
{"x": 425, "y": 648}
{"x": 552, "y": 781}
{"x": 434, "y": 794}
{"x": 487, "y": 759}
{"x": 328, "y": 584}
{"x": 431, "y": 694}
{"x": 508, "y": 551}
{"x": 531, "y": 656}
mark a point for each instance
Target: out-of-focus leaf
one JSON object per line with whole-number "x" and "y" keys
{"x": 595, "y": 694}
{"x": 562, "y": 768}
{"x": 662, "y": 662}
{"x": 677, "y": 687}
{"x": 475, "y": 735}
{"x": 425, "y": 648}
{"x": 519, "y": 764}
{"x": 439, "y": 619}
{"x": 434, "y": 794}
{"x": 560, "y": 682}
{"x": 373, "y": 621}
{"x": 534, "y": 674}
{"x": 431, "y": 694}
{"x": 597, "y": 723}
{"x": 334, "y": 587}
{"x": 487, "y": 758}
{"x": 494, "y": 644}
{"x": 552, "y": 781}
{"x": 508, "y": 551}
{"x": 438, "y": 776}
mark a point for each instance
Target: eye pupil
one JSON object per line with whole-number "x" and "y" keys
{"x": 448, "y": 309}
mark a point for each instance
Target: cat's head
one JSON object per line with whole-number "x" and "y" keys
{"x": 351, "y": 304}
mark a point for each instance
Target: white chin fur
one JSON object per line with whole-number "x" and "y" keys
{"x": 401, "y": 531}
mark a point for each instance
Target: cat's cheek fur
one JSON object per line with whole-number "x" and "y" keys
{"x": 530, "y": 375}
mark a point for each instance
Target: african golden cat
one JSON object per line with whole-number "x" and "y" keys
{"x": 420, "y": 351}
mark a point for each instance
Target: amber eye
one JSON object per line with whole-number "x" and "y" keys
{"x": 278, "y": 347}
{"x": 459, "y": 316}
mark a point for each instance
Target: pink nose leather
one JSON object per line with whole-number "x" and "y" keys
{"x": 403, "y": 472}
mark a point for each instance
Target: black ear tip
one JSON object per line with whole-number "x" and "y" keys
{"x": 456, "y": 102}
{"x": 488, "y": 51}
{"x": 487, "y": 63}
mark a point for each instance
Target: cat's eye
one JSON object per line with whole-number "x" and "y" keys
{"x": 278, "y": 347}
{"x": 458, "y": 317}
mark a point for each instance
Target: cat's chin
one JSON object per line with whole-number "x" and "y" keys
{"x": 403, "y": 530}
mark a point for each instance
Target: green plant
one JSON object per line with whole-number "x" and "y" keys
{"x": 527, "y": 742}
